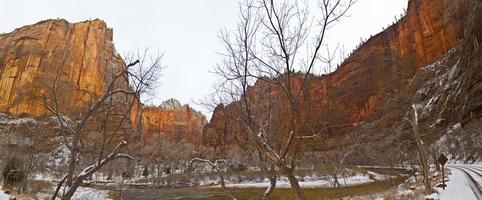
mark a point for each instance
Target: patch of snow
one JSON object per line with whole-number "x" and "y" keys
{"x": 59, "y": 156}
{"x": 281, "y": 184}
{"x": 433, "y": 196}
{"x": 306, "y": 182}
{"x": 377, "y": 176}
{"x": 358, "y": 179}
{"x": 405, "y": 193}
{"x": 457, "y": 126}
{"x": 56, "y": 120}
{"x": 3, "y": 196}
{"x": 19, "y": 121}
{"x": 383, "y": 167}
{"x": 44, "y": 177}
{"x": 89, "y": 168}
{"x": 85, "y": 193}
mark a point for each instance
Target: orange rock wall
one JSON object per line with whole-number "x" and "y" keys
{"x": 80, "y": 57}
{"x": 31, "y": 58}
{"x": 386, "y": 61}
{"x": 425, "y": 34}
{"x": 175, "y": 124}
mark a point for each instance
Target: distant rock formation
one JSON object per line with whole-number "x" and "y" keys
{"x": 173, "y": 121}
{"x": 170, "y": 104}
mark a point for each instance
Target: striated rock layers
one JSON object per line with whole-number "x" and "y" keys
{"x": 362, "y": 90}
{"x": 173, "y": 121}
{"x": 79, "y": 58}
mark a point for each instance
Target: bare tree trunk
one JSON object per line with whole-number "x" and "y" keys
{"x": 295, "y": 186}
{"x": 435, "y": 162}
{"x": 421, "y": 151}
{"x": 158, "y": 174}
{"x": 73, "y": 187}
{"x": 79, "y": 179}
{"x": 336, "y": 183}
{"x": 59, "y": 185}
{"x": 218, "y": 170}
{"x": 272, "y": 183}
{"x": 425, "y": 168}
{"x": 223, "y": 185}
{"x": 87, "y": 172}
{"x": 72, "y": 162}
{"x": 270, "y": 173}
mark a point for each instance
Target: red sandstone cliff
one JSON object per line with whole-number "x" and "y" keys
{"x": 174, "y": 121}
{"x": 386, "y": 63}
{"x": 81, "y": 56}
{"x": 31, "y": 57}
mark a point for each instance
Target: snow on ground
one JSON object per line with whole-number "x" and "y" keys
{"x": 433, "y": 196}
{"x": 384, "y": 167}
{"x": 280, "y": 184}
{"x": 404, "y": 194}
{"x": 379, "y": 177}
{"x": 458, "y": 187}
{"x": 365, "y": 197}
{"x": 307, "y": 182}
{"x": 85, "y": 193}
{"x": 59, "y": 156}
{"x": 82, "y": 193}
{"x": 3, "y": 196}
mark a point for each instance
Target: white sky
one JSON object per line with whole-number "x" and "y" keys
{"x": 186, "y": 30}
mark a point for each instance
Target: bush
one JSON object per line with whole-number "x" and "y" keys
{"x": 145, "y": 173}
{"x": 13, "y": 173}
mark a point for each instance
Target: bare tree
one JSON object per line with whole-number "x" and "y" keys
{"x": 435, "y": 150}
{"x": 269, "y": 169}
{"x": 272, "y": 41}
{"x": 23, "y": 154}
{"x": 336, "y": 160}
{"x": 422, "y": 152}
{"x": 217, "y": 166}
{"x": 112, "y": 108}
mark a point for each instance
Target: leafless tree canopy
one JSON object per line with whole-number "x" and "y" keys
{"x": 277, "y": 43}
{"x": 108, "y": 116}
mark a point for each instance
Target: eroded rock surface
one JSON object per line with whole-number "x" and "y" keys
{"x": 77, "y": 56}
{"x": 377, "y": 83}
{"x": 174, "y": 121}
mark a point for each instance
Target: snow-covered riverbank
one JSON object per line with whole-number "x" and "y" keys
{"x": 313, "y": 181}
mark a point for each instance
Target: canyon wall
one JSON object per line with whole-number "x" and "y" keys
{"x": 173, "y": 121}
{"x": 364, "y": 87}
{"x": 78, "y": 57}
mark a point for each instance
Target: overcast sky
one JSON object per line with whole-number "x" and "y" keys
{"x": 186, "y": 30}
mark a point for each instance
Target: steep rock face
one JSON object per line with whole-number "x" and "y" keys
{"x": 78, "y": 56}
{"x": 425, "y": 34}
{"x": 363, "y": 88}
{"x": 174, "y": 121}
